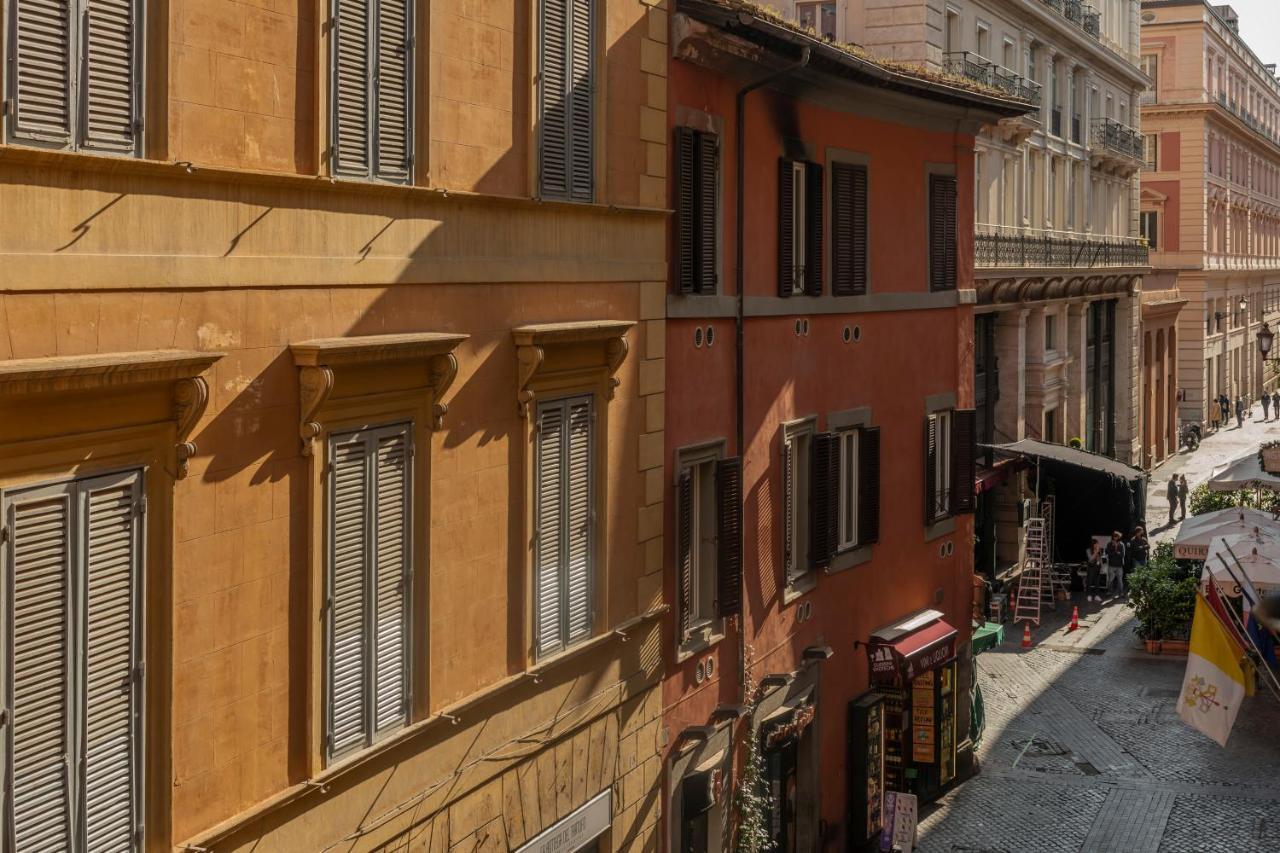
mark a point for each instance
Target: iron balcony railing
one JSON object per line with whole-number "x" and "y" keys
{"x": 971, "y": 66}
{"x": 1250, "y": 120}
{"x": 1073, "y": 11}
{"x": 1040, "y": 249}
{"x": 1077, "y": 12}
{"x": 1114, "y": 136}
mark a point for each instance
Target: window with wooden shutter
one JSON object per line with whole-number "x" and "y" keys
{"x": 849, "y": 484}
{"x": 698, "y": 552}
{"x": 371, "y": 105}
{"x": 697, "y": 176}
{"x": 73, "y": 570}
{"x": 869, "y": 485}
{"x": 824, "y": 500}
{"x": 939, "y": 466}
{"x": 797, "y": 471}
{"x": 930, "y": 469}
{"x": 848, "y": 229}
{"x": 813, "y": 229}
{"x": 729, "y": 536}
{"x": 368, "y": 586}
{"x": 786, "y": 227}
{"x": 566, "y": 84}
{"x": 964, "y": 451}
{"x": 565, "y": 520}
{"x": 684, "y": 554}
{"x": 942, "y": 232}
{"x": 76, "y": 74}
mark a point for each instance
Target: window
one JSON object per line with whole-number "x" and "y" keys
{"x": 564, "y": 515}
{"x": 709, "y": 539}
{"x": 76, "y": 81}
{"x": 951, "y": 35}
{"x": 369, "y": 553}
{"x": 1051, "y": 426}
{"x": 848, "y": 229}
{"x": 371, "y": 64}
{"x": 982, "y": 43}
{"x": 1151, "y": 68}
{"x": 858, "y": 501}
{"x": 1150, "y": 151}
{"x": 566, "y": 94}
{"x": 73, "y": 660}
{"x": 1150, "y": 221}
{"x": 949, "y": 463}
{"x": 1050, "y": 329}
{"x": 942, "y": 232}
{"x": 799, "y": 228}
{"x": 697, "y": 221}
{"x": 1008, "y": 57}
{"x": 819, "y": 17}
{"x": 848, "y": 532}
{"x": 796, "y": 461}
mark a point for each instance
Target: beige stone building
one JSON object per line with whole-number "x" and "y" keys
{"x": 331, "y": 424}
{"x": 1211, "y": 196}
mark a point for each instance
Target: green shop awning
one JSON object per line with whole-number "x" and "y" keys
{"x": 990, "y": 635}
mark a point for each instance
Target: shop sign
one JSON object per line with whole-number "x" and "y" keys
{"x": 578, "y": 829}
{"x": 932, "y": 658}
{"x": 1271, "y": 458}
{"x": 884, "y": 668}
{"x": 900, "y": 823}
{"x": 922, "y": 719}
{"x": 1191, "y": 552}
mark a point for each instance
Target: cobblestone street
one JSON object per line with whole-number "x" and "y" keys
{"x": 1084, "y": 751}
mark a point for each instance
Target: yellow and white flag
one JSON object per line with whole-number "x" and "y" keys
{"x": 1214, "y": 685}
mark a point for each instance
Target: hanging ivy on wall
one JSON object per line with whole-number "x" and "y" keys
{"x": 752, "y": 803}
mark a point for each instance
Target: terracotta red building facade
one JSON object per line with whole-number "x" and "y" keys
{"x": 818, "y": 430}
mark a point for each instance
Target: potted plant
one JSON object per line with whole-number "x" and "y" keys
{"x": 1163, "y": 596}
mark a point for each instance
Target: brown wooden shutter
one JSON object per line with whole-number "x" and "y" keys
{"x": 788, "y": 508}
{"x": 686, "y": 219}
{"x": 869, "y": 486}
{"x": 813, "y": 197}
{"x": 729, "y": 536}
{"x": 824, "y": 498}
{"x": 708, "y": 227}
{"x": 942, "y": 232}
{"x": 930, "y": 469}
{"x": 786, "y": 224}
{"x": 964, "y": 450}
{"x": 684, "y": 557}
{"x": 848, "y": 229}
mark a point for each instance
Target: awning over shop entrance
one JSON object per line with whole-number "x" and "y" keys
{"x": 1031, "y": 449}
{"x": 904, "y": 650}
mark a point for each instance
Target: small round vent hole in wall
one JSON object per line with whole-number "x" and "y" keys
{"x": 697, "y": 337}
{"x": 711, "y": 335}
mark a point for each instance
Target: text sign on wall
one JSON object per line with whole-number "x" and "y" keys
{"x": 1271, "y": 460}
{"x": 572, "y": 833}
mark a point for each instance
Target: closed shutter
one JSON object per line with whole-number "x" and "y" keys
{"x": 729, "y": 536}
{"x": 112, "y": 714}
{"x": 930, "y": 469}
{"x": 824, "y": 498}
{"x": 788, "y": 507}
{"x": 348, "y": 594}
{"x": 708, "y": 217}
{"x": 687, "y": 213}
{"x": 393, "y": 124}
{"x": 549, "y": 503}
{"x": 942, "y": 232}
{"x": 578, "y": 520}
{"x": 786, "y": 227}
{"x": 684, "y": 555}
{"x": 566, "y": 71}
{"x": 350, "y": 68}
{"x": 869, "y": 486}
{"x": 964, "y": 451}
{"x": 41, "y": 63}
{"x": 391, "y": 571}
{"x": 848, "y": 229}
{"x": 813, "y": 229}
{"x": 40, "y": 745}
{"x": 111, "y": 87}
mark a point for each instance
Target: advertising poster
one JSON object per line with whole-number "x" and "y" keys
{"x": 923, "y": 709}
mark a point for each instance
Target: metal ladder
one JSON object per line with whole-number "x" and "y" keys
{"x": 1059, "y": 573}
{"x": 1031, "y": 581}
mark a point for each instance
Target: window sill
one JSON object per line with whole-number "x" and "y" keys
{"x": 702, "y": 638}
{"x": 941, "y": 527}
{"x": 849, "y": 558}
{"x": 798, "y": 585}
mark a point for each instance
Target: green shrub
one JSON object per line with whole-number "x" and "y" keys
{"x": 1163, "y": 595}
{"x": 1201, "y": 500}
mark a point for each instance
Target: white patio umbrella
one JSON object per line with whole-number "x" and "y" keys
{"x": 1260, "y": 563}
{"x": 1242, "y": 473}
{"x": 1199, "y": 531}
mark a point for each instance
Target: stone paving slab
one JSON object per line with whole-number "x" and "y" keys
{"x": 1130, "y": 822}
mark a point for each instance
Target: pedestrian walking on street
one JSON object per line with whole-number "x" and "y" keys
{"x": 1182, "y": 495}
{"x": 1093, "y": 571}
{"x": 1275, "y": 402}
{"x": 1173, "y": 497}
{"x": 1115, "y": 563}
{"x": 1225, "y": 405}
{"x": 1266, "y": 408}
{"x": 1139, "y": 546}
{"x": 1239, "y": 413}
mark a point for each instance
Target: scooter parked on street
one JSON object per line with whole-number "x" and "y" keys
{"x": 1189, "y": 437}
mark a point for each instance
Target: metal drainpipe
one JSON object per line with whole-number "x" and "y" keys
{"x": 740, "y": 145}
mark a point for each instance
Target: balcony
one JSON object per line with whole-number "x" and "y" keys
{"x": 1086, "y": 18}
{"x": 971, "y": 66}
{"x": 1012, "y": 249}
{"x": 1250, "y": 120}
{"x": 1116, "y": 145}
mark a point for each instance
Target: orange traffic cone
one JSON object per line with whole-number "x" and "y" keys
{"x": 1075, "y": 619}
{"x": 1026, "y": 634}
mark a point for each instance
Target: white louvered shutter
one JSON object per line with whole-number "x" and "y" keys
{"x": 40, "y": 754}
{"x": 348, "y": 594}
{"x": 578, "y": 513}
{"x": 110, "y": 87}
{"x": 394, "y": 83}
{"x": 581, "y": 88}
{"x": 553, "y": 107}
{"x": 549, "y": 504}
{"x": 351, "y": 78}
{"x": 111, "y": 526}
{"x": 41, "y": 63}
{"x": 391, "y": 577}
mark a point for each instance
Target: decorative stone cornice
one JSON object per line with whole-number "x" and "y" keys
{"x": 319, "y": 359}
{"x": 180, "y": 369}
{"x": 533, "y": 341}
